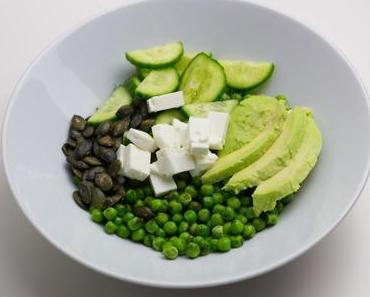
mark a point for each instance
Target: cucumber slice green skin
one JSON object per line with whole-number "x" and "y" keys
{"x": 143, "y": 72}
{"x": 156, "y": 57}
{"x": 203, "y": 80}
{"x": 158, "y": 82}
{"x": 132, "y": 83}
{"x": 167, "y": 116}
{"x": 244, "y": 75}
{"x": 185, "y": 60}
{"x": 107, "y": 111}
{"x": 202, "y": 109}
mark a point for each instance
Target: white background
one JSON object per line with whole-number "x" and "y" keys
{"x": 29, "y": 266}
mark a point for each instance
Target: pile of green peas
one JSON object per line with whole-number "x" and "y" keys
{"x": 193, "y": 221}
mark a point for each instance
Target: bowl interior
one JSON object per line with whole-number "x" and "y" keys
{"x": 76, "y": 73}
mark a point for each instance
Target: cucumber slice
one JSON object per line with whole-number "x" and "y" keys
{"x": 245, "y": 75}
{"x": 107, "y": 111}
{"x": 132, "y": 83}
{"x": 185, "y": 60}
{"x": 166, "y": 117}
{"x": 158, "y": 82}
{"x": 203, "y": 80}
{"x": 143, "y": 72}
{"x": 156, "y": 57}
{"x": 202, "y": 109}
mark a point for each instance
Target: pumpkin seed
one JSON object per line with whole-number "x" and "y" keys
{"x": 88, "y": 132}
{"x": 117, "y": 143}
{"x": 71, "y": 159}
{"x": 83, "y": 149}
{"x": 107, "y": 154}
{"x": 91, "y": 173}
{"x": 143, "y": 212}
{"x": 112, "y": 200}
{"x": 124, "y": 111}
{"x": 77, "y": 198}
{"x": 96, "y": 148}
{"x": 143, "y": 108}
{"x": 119, "y": 127}
{"x": 72, "y": 143}
{"x": 114, "y": 167}
{"x": 86, "y": 190}
{"x": 136, "y": 120}
{"x": 90, "y": 160}
{"x": 77, "y": 173}
{"x": 103, "y": 181}
{"x": 67, "y": 150}
{"x": 98, "y": 198}
{"x": 78, "y": 123}
{"x": 103, "y": 128}
{"x": 147, "y": 124}
{"x": 75, "y": 135}
{"x": 106, "y": 140}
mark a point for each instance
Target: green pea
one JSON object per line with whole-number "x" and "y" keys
{"x": 174, "y": 195}
{"x": 185, "y": 199}
{"x": 194, "y": 205}
{"x": 148, "y": 190}
{"x": 161, "y": 218}
{"x": 110, "y": 227}
{"x": 190, "y": 216}
{"x": 192, "y": 250}
{"x": 218, "y": 198}
{"x": 128, "y": 216}
{"x": 207, "y": 189}
{"x": 271, "y": 219}
{"x": 279, "y": 206}
{"x": 97, "y": 216}
{"x": 130, "y": 196}
{"x": 186, "y": 236}
{"x": 181, "y": 184}
{"x": 140, "y": 195}
{"x": 180, "y": 244}
{"x": 203, "y": 215}
{"x": 205, "y": 247}
{"x": 170, "y": 252}
{"x": 236, "y": 241}
{"x": 175, "y": 207}
{"x": 123, "y": 231}
{"x": 164, "y": 206}
{"x": 156, "y": 205}
{"x": 139, "y": 203}
{"x": 213, "y": 244}
{"x": 193, "y": 228}
{"x": 183, "y": 227}
{"x": 148, "y": 240}
{"x": 197, "y": 181}
{"x": 191, "y": 190}
{"x": 121, "y": 209}
{"x": 234, "y": 203}
{"x": 118, "y": 221}
{"x": 216, "y": 219}
{"x": 110, "y": 213}
{"x": 249, "y": 231}
{"x": 218, "y": 209}
{"x": 158, "y": 243}
{"x": 138, "y": 235}
{"x": 224, "y": 244}
{"x": 170, "y": 228}
{"x": 135, "y": 224}
{"x": 286, "y": 200}
{"x": 151, "y": 226}
{"x": 229, "y": 214}
{"x": 207, "y": 202}
{"x": 202, "y": 230}
{"x": 177, "y": 218}
{"x": 250, "y": 214}
{"x": 218, "y": 232}
{"x": 227, "y": 228}
{"x": 148, "y": 200}
{"x": 160, "y": 233}
{"x": 246, "y": 200}
{"x": 259, "y": 224}
{"x": 236, "y": 227}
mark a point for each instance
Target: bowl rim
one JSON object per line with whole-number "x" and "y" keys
{"x": 165, "y": 284}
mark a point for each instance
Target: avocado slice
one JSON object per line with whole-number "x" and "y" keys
{"x": 288, "y": 180}
{"x": 226, "y": 166}
{"x": 277, "y": 157}
{"x": 247, "y": 121}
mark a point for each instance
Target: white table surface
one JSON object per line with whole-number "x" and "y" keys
{"x": 29, "y": 266}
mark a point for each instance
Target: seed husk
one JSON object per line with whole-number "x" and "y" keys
{"x": 119, "y": 127}
{"x": 78, "y": 123}
{"x": 103, "y": 128}
{"x": 77, "y": 198}
{"x": 88, "y": 132}
{"x": 112, "y": 200}
{"x": 147, "y": 124}
{"x": 114, "y": 167}
{"x": 98, "y": 198}
{"x": 93, "y": 161}
{"x": 107, "y": 154}
{"x": 106, "y": 140}
{"x": 143, "y": 212}
{"x": 83, "y": 149}
{"x": 86, "y": 190}
{"x": 92, "y": 172}
{"x": 136, "y": 120}
{"x": 103, "y": 181}
{"x": 124, "y": 111}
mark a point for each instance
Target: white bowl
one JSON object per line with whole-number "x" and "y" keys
{"x": 78, "y": 71}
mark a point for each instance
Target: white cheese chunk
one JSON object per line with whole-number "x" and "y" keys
{"x": 182, "y": 132}
{"x": 219, "y": 122}
{"x": 162, "y": 184}
{"x": 141, "y": 140}
{"x": 198, "y": 135}
{"x": 173, "y": 161}
{"x": 203, "y": 162}
{"x": 167, "y": 101}
{"x": 165, "y": 136}
{"x": 137, "y": 163}
{"x": 155, "y": 168}
{"x": 121, "y": 157}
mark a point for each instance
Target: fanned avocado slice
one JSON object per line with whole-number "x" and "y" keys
{"x": 288, "y": 180}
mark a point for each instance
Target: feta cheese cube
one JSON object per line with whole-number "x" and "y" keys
{"x": 199, "y": 148}
{"x": 155, "y": 168}
{"x": 141, "y": 140}
{"x": 203, "y": 163}
{"x": 182, "y": 132}
{"x": 165, "y": 136}
{"x": 167, "y": 101}
{"x": 173, "y": 161}
{"x": 162, "y": 184}
{"x": 198, "y": 135}
{"x": 219, "y": 122}
{"x": 137, "y": 163}
{"x": 121, "y": 157}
